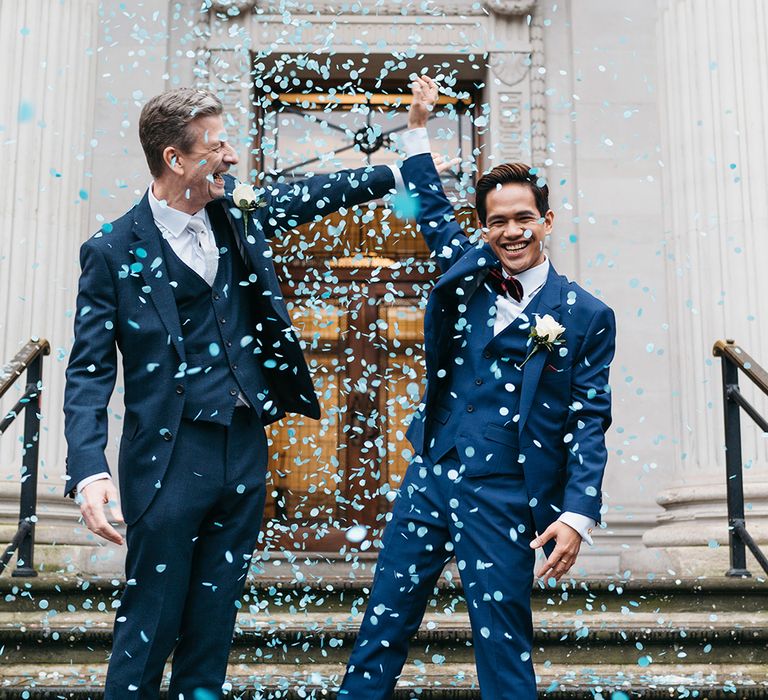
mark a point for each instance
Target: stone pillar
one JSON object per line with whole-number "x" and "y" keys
{"x": 48, "y": 50}
{"x": 714, "y": 150}
{"x": 507, "y": 98}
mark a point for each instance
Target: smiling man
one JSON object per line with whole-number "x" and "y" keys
{"x": 188, "y": 294}
{"x": 509, "y": 437}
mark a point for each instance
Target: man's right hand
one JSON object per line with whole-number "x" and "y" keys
{"x": 93, "y": 498}
{"x": 425, "y": 94}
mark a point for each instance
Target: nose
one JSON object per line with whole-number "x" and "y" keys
{"x": 230, "y": 156}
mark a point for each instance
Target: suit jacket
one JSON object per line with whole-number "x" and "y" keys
{"x": 125, "y": 302}
{"x": 565, "y": 401}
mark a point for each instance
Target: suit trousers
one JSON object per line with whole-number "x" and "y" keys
{"x": 485, "y": 522}
{"x": 188, "y": 557}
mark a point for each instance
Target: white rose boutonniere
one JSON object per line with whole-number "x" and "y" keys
{"x": 245, "y": 199}
{"x": 546, "y": 333}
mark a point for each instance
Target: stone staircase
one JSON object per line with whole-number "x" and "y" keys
{"x": 599, "y": 639}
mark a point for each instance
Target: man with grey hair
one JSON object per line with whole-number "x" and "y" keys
{"x": 183, "y": 285}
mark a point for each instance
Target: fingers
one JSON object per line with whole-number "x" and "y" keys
{"x": 544, "y": 537}
{"x": 114, "y": 503}
{"x": 564, "y": 555}
{"x": 95, "y": 496}
{"x": 442, "y": 165}
{"x": 557, "y": 565}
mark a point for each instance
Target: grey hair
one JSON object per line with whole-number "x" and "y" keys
{"x": 165, "y": 121}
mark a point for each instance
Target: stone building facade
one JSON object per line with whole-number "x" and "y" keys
{"x": 646, "y": 119}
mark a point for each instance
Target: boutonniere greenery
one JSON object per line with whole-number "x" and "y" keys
{"x": 245, "y": 199}
{"x": 546, "y": 333}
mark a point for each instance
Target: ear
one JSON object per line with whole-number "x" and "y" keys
{"x": 549, "y": 217}
{"x": 482, "y": 227}
{"x": 173, "y": 159}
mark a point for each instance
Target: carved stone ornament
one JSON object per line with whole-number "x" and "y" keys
{"x": 511, "y": 7}
{"x": 510, "y": 67}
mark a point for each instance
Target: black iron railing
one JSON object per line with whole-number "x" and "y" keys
{"x": 30, "y": 360}
{"x": 735, "y": 359}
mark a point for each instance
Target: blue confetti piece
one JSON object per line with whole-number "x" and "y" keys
{"x": 26, "y": 112}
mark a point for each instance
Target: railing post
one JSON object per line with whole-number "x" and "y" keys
{"x": 25, "y": 559}
{"x": 734, "y": 475}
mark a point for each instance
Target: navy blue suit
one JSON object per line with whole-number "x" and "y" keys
{"x": 502, "y": 447}
{"x": 192, "y": 457}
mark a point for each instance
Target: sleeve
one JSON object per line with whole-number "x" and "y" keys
{"x": 90, "y": 479}
{"x": 434, "y": 212}
{"x": 289, "y": 205}
{"x": 581, "y": 523}
{"x": 92, "y": 369}
{"x": 589, "y": 417}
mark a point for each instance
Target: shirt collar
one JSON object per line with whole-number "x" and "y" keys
{"x": 172, "y": 220}
{"x": 533, "y": 278}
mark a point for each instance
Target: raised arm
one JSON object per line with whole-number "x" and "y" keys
{"x": 421, "y": 177}
{"x": 289, "y": 205}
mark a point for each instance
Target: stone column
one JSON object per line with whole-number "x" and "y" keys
{"x": 714, "y": 82}
{"x": 507, "y": 98}
{"x": 48, "y": 50}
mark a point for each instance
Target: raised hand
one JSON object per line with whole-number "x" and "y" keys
{"x": 425, "y": 93}
{"x": 441, "y": 164}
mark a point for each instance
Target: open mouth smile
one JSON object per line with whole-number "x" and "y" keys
{"x": 515, "y": 247}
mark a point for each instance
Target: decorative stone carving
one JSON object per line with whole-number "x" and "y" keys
{"x": 362, "y": 7}
{"x": 510, "y": 67}
{"x": 514, "y": 8}
{"x": 510, "y": 127}
{"x": 538, "y": 92}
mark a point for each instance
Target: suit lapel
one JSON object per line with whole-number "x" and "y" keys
{"x": 466, "y": 274}
{"x": 148, "y": 259}
{"x": 255, "y": 249}
{"x": 548, "y": 304}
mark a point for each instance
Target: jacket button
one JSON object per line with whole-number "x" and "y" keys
{"x": 229, "y": 343}
{"x": 487, "y": 354}
{"x": 168, "y": 436}
{"x": 234, "y": 367}
{"x": 478, "y": 382}
{"x": 470, "y": 408}
{"x": 233, "y": 392}
{"x": 216, "y": 297}
{"x": 222, "y": 320}
{"x": 179, "y": 388}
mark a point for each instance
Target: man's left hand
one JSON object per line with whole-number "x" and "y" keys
{"x": 568, "y": 543}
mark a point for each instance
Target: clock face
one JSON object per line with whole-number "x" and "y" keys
{"x": 324, "y": 132}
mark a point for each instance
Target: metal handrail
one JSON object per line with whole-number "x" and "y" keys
{"x": 30, "y": 360}
{"x": 735, "y": 359}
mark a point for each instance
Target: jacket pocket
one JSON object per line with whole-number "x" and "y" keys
{"x": 498, "y": 433}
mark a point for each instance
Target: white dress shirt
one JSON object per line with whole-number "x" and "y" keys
{"x": 416, "y": 142}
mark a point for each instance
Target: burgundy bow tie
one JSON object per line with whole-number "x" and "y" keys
{"x": 504, "y": 285}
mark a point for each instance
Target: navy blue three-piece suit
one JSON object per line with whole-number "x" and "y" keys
{"x": 502, "y": 446}
{"x": 205, "y": 368}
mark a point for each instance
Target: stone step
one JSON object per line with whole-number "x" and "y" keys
{"x": 330, "y": 589}
{"x": 309, "y": 638}
{"x": 428, "y": 681}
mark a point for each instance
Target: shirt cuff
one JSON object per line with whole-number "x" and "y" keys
{"x": 415, "y": 142}
{"x": 583, "y": 524}
{"x": 90, "y": 479}
{"x": 399, "y": 182}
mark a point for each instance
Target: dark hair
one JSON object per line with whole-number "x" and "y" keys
{"x": 510, "y": 173}
{"x": 165, "y": 120}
